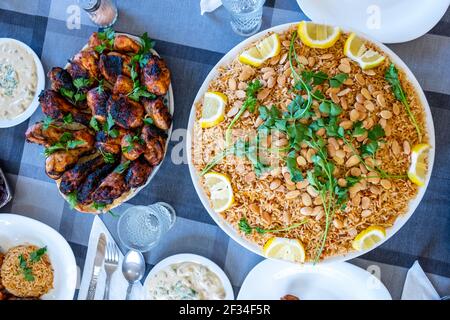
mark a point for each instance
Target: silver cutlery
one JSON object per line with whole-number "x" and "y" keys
{"x": 98, "y": 264}
{"x": 133, "y": 269}
{"x": 111, "y": 264}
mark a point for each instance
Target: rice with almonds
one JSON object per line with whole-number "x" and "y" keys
{"x": 273, "y": 200}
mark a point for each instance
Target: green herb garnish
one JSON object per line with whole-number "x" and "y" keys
{"x": 391, "y": 76}
{"x": 121, "y": 168}
{"x": 72, "y": 199}
{"x": 245, "y": 227}
{"x": 338, "y": 80}
{"x": 36, "y": 256}
{"x": 148, "y": 121}
{"x": 26, "y": 270}
{"x": 107, "y": 36}
{"x": 94, "y": 124}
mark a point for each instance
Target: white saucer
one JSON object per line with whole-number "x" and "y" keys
{"x": 399, "y": 20}
{"x": 273, "y": 279}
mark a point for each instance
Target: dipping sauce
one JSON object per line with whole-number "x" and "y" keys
{"x": 186, "y": 281}
{"x": 18, "y": 79}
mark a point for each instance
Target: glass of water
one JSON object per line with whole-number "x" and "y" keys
{"x": 141, "y": 227}
{"x": 246, "y": 15}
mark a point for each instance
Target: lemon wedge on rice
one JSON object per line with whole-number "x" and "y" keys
{"x": 213, "y": 111}
{"x": 417, "y": 172}
{"x": 318, "y": 35}
{"x": 356, "y": 50}
{"x": 267, "y": 48}
{"x": 284, "y": 249}
{"x": 220, "y": 189}
{"x": 368, "y": 238}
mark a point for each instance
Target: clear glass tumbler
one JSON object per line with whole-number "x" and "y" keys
{"x": 246, "y": 15}
{"x": 141, "y": 227}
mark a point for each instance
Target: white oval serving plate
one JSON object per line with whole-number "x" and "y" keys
{"x": 18, "y": 230}
{"x": 39, "y": 87}
{"x": 189, "y": 257}
{"x": 271, "y": 280}
{"x": 227, "y": 228}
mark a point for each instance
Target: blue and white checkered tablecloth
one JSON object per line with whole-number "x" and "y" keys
{"x": 192, "y": 44}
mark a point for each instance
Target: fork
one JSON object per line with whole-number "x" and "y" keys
{"x": 111, "y": 264}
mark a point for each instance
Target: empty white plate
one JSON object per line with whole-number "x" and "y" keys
{"x": 387, "y": 21}
{"x": 273, "y": 279}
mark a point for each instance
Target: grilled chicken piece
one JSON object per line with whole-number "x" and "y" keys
{"x": 94, "y": 41}
{"x": 126, "y": 112}
{"x": 155, "y": 143}
{"x": 124, "y": 43}
{"x": 132, "y": 148}
{"x": 155, "y": 75}
{"x": 97, "y": 100}
{"x": 113, "y": 65}
{"x": 76, "y": 70}
{"x": 61, "y": 161}
{"x": 72, "y": 179}
{"x": 138, "y": 173}
{"x": 56, "y": 107}
{"x": 108, "y": 144}
{"x": 112, "y": 187}
{"x": 123, "y": 86}
{"x": 84, "y": 194}
{"x": 158, "y": 112}
{"x": 60, "y": 78}
{"x": 37, "y": 134}
{"x": 88, "y": 60}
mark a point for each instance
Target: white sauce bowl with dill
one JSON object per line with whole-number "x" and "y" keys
{"x": 22, "y": 79}
{"x": 187, "y": 277}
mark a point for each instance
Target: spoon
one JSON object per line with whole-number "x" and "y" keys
{"x": 133, "y": 269}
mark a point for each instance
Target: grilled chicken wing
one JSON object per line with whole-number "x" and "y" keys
{"x": 61, "y": 161}
{"x": 126, "y": 112}
{"x": 158, "y": 112}
{"x": 56, "y": 107}
{"x": 155, "y": 75}
{"x": 85, "y": 191}
{"x": 123, "y": 86}
{"x": 47, "y": 137}
{"x": 108, "y": 144}
{"x": 113, "y": 65}
{"x": 97, "y": 100}
{"x": 112, "y": 187}
{"x": 124, "y": 43}
{"x": 60, "y": 78}
{"x": 72, "y": 179}
{"x": 138, "y": 173}
{"x": 88, "y": 60}
{"x": 155, "y": 141}
{"x": 132, "y": 148}
{"x": 76, "y": 70}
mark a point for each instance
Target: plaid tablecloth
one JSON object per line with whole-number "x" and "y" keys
{"x": 192, "y": 44}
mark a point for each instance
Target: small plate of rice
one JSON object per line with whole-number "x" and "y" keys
{"x": 36, "y": 262}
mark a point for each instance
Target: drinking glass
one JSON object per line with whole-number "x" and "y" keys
{"x": 246, "y": 15}
{"x": 141, "y": 227}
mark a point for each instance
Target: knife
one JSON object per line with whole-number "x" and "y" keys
{"x": 98, "y": 263}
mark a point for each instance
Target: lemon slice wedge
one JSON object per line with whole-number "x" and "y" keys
{"x": 220, "y": 189}
{"x": 417, "y": 172}
{"x": 318, "y": 35}
{"x": 356, "y": 50}
{"x": 213, "y": 111}
{"x": 284, "y": 249}
{"x": 267, "y": 48}
{"x": 368, "y": 238}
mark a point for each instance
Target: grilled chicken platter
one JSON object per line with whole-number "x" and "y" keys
{"x": 106, "y": 121}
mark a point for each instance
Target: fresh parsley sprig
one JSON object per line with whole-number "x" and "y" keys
{"x": 245, "y": 227}
{"x": 24, "y": 265}
{"x": 391, "y": 76}
{"x": 65, "y": 142}
{"x": 107, "y": 37}
{"x": 249, "y": 104}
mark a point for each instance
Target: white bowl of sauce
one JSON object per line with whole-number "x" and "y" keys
{"x": 22, "y": 79}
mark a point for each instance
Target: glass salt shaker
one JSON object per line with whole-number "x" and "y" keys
{"x": 102, "y": 12}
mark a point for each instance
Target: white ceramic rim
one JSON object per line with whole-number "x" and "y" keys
{"x": 189, "y": 257}
{"x": 352, "y": 271}
{"x": 227, "y": 228}
{"x": 67, "y": 266}
{"x": 171, "y": 105}
{"x": 39, "y": 87}
{"x": 310, "y": 10}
